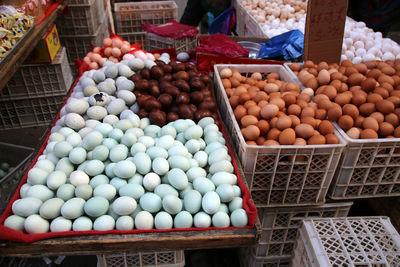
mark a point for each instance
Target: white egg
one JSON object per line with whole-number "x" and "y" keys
{"x": 357, "y": 60}
{"x": 360, "y": 52}
{"x": 368, "y": 57}
{"x": 388, "y": 56}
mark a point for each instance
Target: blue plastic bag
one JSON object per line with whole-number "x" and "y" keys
{"x": 223, "y": 22}
{"x": 289, "y": 45}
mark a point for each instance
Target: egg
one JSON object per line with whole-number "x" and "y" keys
{"x": 60, "y": 224}
{"x": 104, "y": 223}
{"x": 183, "y": 220}
{"x": 368, "y": 134}
{"x": 239, "y": 218}
{"x": 34, "y": 224}
{"x": 15, "y": 222}
{"x": 202, "y": 220}
{"x": 144, "y": 220}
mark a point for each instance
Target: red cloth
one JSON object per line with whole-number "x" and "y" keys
{"x": 19, "y": 236}
{"x": 172, "y": 29}
{"x": 220, "y": 44}
{"x": 48, "y": 12}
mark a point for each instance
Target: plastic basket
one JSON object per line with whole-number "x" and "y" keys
{"x": 246, "y": 25}
{"x": 279, "y": 226}
{"x": 82, "y": 18}
{"x": 130, "y": 16}
{"x": 135, "y": 37}
{"x": 274, "y": 177}
{"x": 351, "y": 242}
{"x": 174, "y": 258}
{"x": 19, "y": 157}
{"x": 30, "y": 112}
{"x": 368, "y": 168}
{"x": 79, "y": 45}
{"x": 40, "y": 80}
{"x": 186, "y": 43}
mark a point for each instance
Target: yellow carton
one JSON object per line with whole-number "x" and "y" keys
{"x": 46, "y": 49}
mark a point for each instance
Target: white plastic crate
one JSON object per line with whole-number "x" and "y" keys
{"x": 79, "y": 45}
{"x": 175, "y": 258}
{"x": 19, "y": 158}
{"x": 186, "y": 43}
{"x": 130, "y": 16}
{"x": 248, "y": 259}
{"x": 40, "y": 80}
{"x": 368, "y": 168}
{"x": 279, "y": 227}
{"x": 135, "y": 37}
{"x": 350, "y": 242}
{"x": 82, "y": 18}
{"x": 274, "y": 177}
{"x": 246, "y": 25}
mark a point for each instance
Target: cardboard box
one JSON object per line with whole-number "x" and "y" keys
{"x": 325, "y": 24}
{"x": 46, "y": 49}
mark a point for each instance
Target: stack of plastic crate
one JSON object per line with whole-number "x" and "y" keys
{"x": 287, "y": 183}
{"x": 35, "y": 93}
{"x": 84, "y": 24}
{"x": 130, "y": 16}
{"x": 356, "y": 241}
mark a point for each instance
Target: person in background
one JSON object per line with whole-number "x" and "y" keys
{"x": 196, "y": 9}
{"x": 377, "y": 14}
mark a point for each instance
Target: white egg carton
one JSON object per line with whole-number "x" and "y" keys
{"x": 273, "y": 179}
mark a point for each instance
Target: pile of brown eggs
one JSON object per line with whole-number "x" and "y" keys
{"x": 364, "y": 98}
{"x": 273, "y": 112}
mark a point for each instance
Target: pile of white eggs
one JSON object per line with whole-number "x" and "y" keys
{"x": 361, "y": 44}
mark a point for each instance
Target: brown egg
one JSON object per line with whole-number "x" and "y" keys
{"x": 358, "y": 99}
{"x": 271, "y": 143}
{"x": 234, "y": 82}
{"x": 346, "y": 122}
{"x": 262, "y": 103}
{"x": 394, "y": 99}
{"x": 261, "y": 84}
{"x": 375, "y": 73}
{"x": 343, "y": 99}
{"x": 253, "y": 90}
{"x": 397, "y": 132}
{"x": 260, "y": 140}
{"x": 350, "y": 71}
{"x": 273, "y": 75}
{"x": 254, "y": 110}
{"x": 289, "y": 99}
{"x": 320, "y": 97}
{"x": 368, "y": 134}
{"x": 387, "y": 86}
{"x": 395, "y": 93}
{"x": 308, "y": 64}
{"x": 358, "y": 121}
{"x": 313, "y": 105}
{"x": 278, "y": 102}
{"x": 269, "y": 111}
{"x": 271, "y": 87}
{"x": 354, "y": 133}
{"x": 307, "y": 112}
{"x": 367, "y": 108}
{"x": 377, "y": 116}
{"x": 385, "y": 106}
{"x": 382, "y": 92}
{"x": 295, "y": 120}
{"x": 287, "y": 137}
{"x": 322, "y": 65}
{"x": 323, "y": 77}
{"x": 248, "y": 120}
{"x": 273, "y": 134}
{"x": 226, "y": 83}
{"x": 386, "y": 129}
{"x": 373, "y": 98}
{"x": 251, "y": 143}
{"x": 383, "y": 78}
{"x": 370, "y": 123}
{"x": 355, "y": 79}
{"x": 330, "y": 91}
{"x": 309, "y": 120}
{"x": 249, "y": 104}
{"x": 312, "y": 83}
{"x": 295, "y": 67}
{"x": 336, "y": 76}
{"x": 346, "y": 63}
{"x": 337, "y": 84}
{"x": 320, "y": 114}
{"x": 334, "y": 113}
{"x": 239, "y": 112}
{"x": 362, "y": 68}
{"x": 251, "y": 132}
{"x": 325, "y": 104}
{"x": 392, "y": 119}
{"x": 331, "y": 139}
{"x": 244, "y": 97}
{"x": 234, "y": 101}
{"x": 263, "y": 125}
{"x": 229, "y": 92}
{"x": 300, "y": 142}
{"x": 351, "y": 110}
{"x": 317, "y": 140}
{"x": 304, "y": 130}
{"x": 259, "y": 96}
{"x": 283, "y": 122}
{"x": 368, "y": 84}
{"x": 273, "y": 121}
{"x": 325, "y": 127}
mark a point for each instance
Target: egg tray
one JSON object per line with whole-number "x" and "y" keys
{"x": 274, "y": 177}
{"x": 183, "y": 44}
{"x": 81, "y": 18}
{"x": 368, "y": 167}
{"x": 174, "y": 258}
{"x": 128, "y": 17}
{"x": 19, "y": 157}
{"x": 19, "y": 236}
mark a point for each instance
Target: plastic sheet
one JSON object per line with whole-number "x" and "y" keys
{"x": 172, "y": 29}
{"x": 224, "y": 22}
{"x": 289, "y": 45}
{"x": 221, "y": 45}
